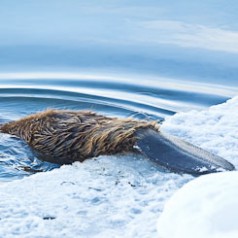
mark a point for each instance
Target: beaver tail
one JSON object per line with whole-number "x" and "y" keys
{"x": 177, "y": 155}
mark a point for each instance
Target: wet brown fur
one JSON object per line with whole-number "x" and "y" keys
{"x": 64, "y": 136}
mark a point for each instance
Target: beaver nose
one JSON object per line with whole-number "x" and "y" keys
{"x": 177, "y": 155}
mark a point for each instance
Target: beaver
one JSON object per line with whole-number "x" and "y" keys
{"x": 66, "y": 136}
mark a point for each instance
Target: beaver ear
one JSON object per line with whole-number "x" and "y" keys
{"x": 177, "y": 155}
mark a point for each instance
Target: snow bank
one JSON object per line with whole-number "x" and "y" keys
{"x": 204, "y": 208}
{"x": 207, "y": 206}
{"x": 214, "y": 129}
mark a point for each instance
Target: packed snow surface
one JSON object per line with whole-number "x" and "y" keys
{"x": 102, "y": 198}
{"x": 122, "y": 196}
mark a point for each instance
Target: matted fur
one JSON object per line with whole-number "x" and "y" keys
{"x": 64, "y": 136}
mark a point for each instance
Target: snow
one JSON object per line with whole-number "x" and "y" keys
{"x": 207, "y": 206}
{"x": 214, "y": 129}
{"x": 98, "y": 198}
{"x": 116, "y": 195}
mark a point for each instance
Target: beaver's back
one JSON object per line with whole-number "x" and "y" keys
{"x": 64, "y": 136}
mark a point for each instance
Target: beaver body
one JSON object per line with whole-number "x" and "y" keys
{"x": 64, "y": 136}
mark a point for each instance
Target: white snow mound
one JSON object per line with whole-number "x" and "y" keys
{"x": 204, "y": 208}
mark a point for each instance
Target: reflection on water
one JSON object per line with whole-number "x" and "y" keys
{"x": 137, "y": 97}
